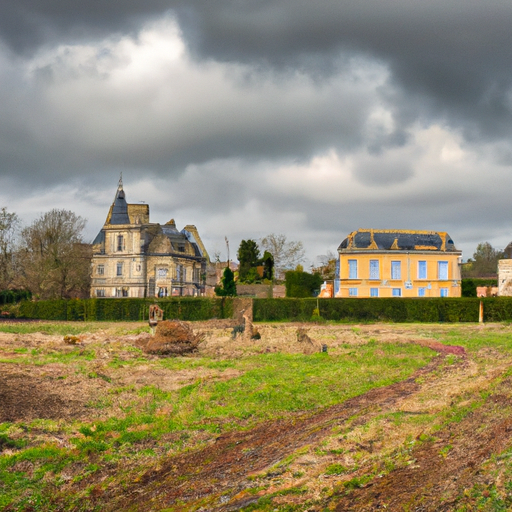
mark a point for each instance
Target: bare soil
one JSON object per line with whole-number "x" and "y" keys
{"x": 385, "y": 465}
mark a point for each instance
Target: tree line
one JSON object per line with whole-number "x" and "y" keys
{"x": 484, "y": 262}
{"x": 280, "y": 261}
{"x": 48, "y": 257}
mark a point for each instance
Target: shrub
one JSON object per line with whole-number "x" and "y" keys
{"x": 301, "y": 284}
{"x": 228, "y": 286}
{"x": 468, "y": 286}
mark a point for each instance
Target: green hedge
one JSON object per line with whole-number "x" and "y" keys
{"x": 385, "y": 310}
{"x": 14, "y": 296}
{"x": 469, "y": 285}
{"x": 183, "y": 308}
{"x": 496, "y": 309}
{"x": 302, "y": 284}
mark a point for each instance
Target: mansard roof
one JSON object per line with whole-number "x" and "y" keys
{"x": 397, "y": 240}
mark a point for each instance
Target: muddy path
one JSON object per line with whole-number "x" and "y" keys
{"x": 442, "y": 469}
{"x": 220, "y": 473}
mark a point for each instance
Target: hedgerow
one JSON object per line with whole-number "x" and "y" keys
{"x": 384, "y": 309}
{"x": 464, "y": 309}
{"x": 182, "y": 308}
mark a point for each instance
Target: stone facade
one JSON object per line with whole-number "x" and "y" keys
{"x": 135, "y": 258}
{"x": 505, "y": 277}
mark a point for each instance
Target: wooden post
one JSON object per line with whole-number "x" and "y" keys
{"x": 481, "y": 313}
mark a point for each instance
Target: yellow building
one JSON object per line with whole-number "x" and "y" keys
{"x": 397, "y": 263}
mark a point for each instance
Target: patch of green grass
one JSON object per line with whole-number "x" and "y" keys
{"x": 7, "y": 442}
{"x": 476, "y": 340}
{"x": 270, "y": 386}
{"x": 20, "y": 487}
{"x": 357, "y": 482}
{"x": 74, "y": 328}
{"x": 40, "y": 357}
{"x": 445, "y": 450}
{"x": 335, "y": 469}
{"x": 275, "y": 384}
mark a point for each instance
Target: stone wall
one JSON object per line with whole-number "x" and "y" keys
{"x": 505, "y": 278}
{"x": 261, "y": 291}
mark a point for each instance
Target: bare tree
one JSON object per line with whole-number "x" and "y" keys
{"x": 327, "y": 267}
{"x": 55, "y": 261}
{"x": 287, "y": 254}
{"x": 9, "y": 227}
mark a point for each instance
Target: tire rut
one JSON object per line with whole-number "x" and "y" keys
{"x": 225, "y": 465}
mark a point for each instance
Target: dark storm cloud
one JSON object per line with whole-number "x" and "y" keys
{"x": 454, "y": 58}
{"x": 309, "y": 118}
{"x": 456, "y": 55}
{"x": 27, "y": 24}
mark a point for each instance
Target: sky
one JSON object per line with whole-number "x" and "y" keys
{"x": 245, "y": 118}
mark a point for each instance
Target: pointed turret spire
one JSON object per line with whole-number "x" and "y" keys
{"x": 120, "y": 207}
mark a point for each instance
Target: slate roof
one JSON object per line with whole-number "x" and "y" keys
{"x": 397, "y": 240}
{"x": 120, "y": 209}
{"x": 100, "y": 238}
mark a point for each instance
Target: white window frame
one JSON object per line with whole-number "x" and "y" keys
{"x": 396, "y": 270}
{"x": 442, "y": 270}
{"x": 119, "y": 269}
{"x": 374, "y": 292}
{"x": 422, "y": 266}
{"x": 396, "y": 292}
{"x": 374, "y": 270}
{"x": 352, "y": 292}
{"x": 100, "y": 270}
{"x": 352, "y": 269}
{"x": 443, "y": 292}
{"x": 422, "y": 291}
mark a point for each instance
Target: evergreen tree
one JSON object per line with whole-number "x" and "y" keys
{"x": 228, "y": 286}
{"x": 248, "y": 256}
{"x": 268, "y": 266}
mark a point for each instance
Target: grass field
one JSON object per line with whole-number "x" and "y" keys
{"x": 257, "y": 425}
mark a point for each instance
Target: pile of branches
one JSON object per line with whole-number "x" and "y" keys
{"x": 173, "y": 337}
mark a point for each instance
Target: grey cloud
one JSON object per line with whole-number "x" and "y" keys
{"x": 447, "y": 62}
{"x": 379, "y": 172}
{"x": 27, "y": 24}
{"x": 453, "y": 57}
{"x": 158, "y": 129}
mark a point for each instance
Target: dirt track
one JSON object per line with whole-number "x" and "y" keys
{"x": 435, "y": 472}
{"x": 223, "y": 470}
